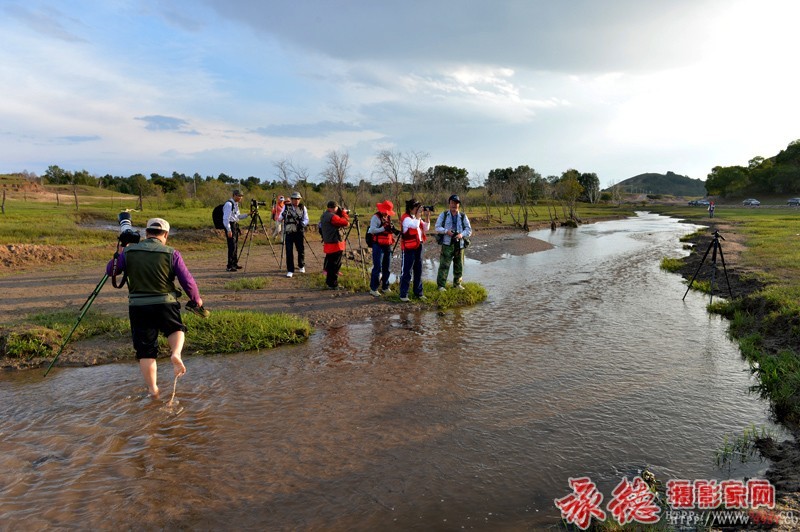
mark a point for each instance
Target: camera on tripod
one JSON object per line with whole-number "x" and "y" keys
{"x": 254, "y": 204}
{"x": 127, "y": 234}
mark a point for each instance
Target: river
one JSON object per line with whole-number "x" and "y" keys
{"x": 584, "y": 361}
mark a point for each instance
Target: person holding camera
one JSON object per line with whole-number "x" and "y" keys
{"x": 383, "y": 233}
{"x": 333, "y": 220}
{"x": 454, "y": 229}
{"x": 277, "y": 224}
{"x": 231, "y": 217}
{"x": 151, "y": 268}
{"x": 412, "y": 238}
{"x": 295, "y": 220}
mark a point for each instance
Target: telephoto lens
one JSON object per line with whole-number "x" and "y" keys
{"x": 124, "y": 219}
{"x": 127, "y": 234}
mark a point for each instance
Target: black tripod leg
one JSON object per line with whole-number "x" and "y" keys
{"x": 698, "y": 270}
{"x": 725, "y": 271}
{"x": 247, "y": 238}
{"x": 309, "y": 246}
{"x": 271, "y": 247}
{"x": 361, "y": 251}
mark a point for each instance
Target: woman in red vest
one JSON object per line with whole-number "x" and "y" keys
{"x": 382, "y": 231}
{"x": 411, "y": 242}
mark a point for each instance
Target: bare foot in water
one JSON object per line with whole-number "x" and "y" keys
{"x": 153, "y": 392}
{"x": 177, "y": 365}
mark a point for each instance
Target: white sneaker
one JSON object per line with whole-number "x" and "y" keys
{"x": 460, "y": 287}
{"x": 302, "y": 270}
{"x": 374, "y": 293}
{"x": 442, "y": 289}
{"x": 404, "y": 299}
{"x": 288, "y": 274}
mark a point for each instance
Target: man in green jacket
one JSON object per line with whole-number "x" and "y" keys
{"x": 152, "y": 267}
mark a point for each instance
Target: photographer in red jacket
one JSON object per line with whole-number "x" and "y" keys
{"x": 331, "y": 223}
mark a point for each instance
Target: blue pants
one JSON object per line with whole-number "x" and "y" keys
{"x": 412, "y": 261}
{"x": 381, "y": 257}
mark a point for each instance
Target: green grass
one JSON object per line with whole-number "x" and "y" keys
{"x": 247, "y": 283}
{"x": 354, "y": 280}
{"x": 225, "y": 331}
{"x": 741, "y": 447}
{"x": 472, "y": 294}
{"x": 671, "y": 265}
{"x": 229, "y": 331}
{"x": 42, "y": 334}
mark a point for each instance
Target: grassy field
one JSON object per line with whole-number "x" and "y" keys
{"x": 766, "y": 323}
{"x": 51, "y": 218}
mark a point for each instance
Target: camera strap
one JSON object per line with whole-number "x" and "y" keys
{"x": 114, "y": 272}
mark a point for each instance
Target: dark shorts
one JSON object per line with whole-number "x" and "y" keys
{"x": 148, "y": 320}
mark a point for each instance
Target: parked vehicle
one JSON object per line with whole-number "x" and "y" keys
{"x": 699, "y": 202}
{"x": 794, "y": 202}
{"x": 751, "y": 202}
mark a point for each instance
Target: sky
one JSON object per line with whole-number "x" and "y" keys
{"x": 615, "y": 87}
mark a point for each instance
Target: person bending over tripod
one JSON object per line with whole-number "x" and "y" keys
{"x": 295, "y": 220}
{"x": 152, "y": 267}
{"x": 383, "y": 232}
{"x": 231, "y": 217}
{"x": 331, "y": 224}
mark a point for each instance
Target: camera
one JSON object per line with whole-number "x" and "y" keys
{"x": 127, "y": 234}
{"x": 428, "y": 208}
{"x": 254, "y": 204}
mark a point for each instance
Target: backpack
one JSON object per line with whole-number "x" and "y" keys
{"x": 370, "y": 238}
{"x": 216, "y": 216}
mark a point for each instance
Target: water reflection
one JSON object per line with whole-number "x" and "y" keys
{"x": 584, "y": 361}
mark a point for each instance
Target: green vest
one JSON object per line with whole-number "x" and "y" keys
{"x": 150, "y": 273}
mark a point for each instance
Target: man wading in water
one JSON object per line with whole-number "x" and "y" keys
{"x": 151, "y": 267}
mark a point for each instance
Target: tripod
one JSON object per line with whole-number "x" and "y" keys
{"x": 255, "y": 223}
{"x": 356, "y": 224}
{"x": 715, "y": 245}
{"x": 125, "y": 238}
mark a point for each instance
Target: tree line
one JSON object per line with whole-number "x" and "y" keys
{"x": 777, "y": 175}
{"x": 395, "y": 175}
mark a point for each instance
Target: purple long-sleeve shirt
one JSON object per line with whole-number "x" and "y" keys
{"x": 185, "y": 278}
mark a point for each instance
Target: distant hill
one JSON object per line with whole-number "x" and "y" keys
{"x": 669, "y": 183}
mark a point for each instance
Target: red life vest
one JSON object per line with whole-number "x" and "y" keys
{"x": 412, "y": 238}
{"x": 386, "y": 238}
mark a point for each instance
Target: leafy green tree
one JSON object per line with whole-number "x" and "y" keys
{"x": 591, "y": 187}
{"x": 567, "y": 190}
{"x": 57, "y": 176}
{"x": 725, "y": 180}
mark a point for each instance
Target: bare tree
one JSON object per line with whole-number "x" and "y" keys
{"x": 388, "y": 168}
{"x": 335, "y": 173}
{"x": 301, "y": 175}
{"x": 414, "y": 163}
{"x": 285, "y": 170}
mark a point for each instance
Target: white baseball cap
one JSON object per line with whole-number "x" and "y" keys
{"x": 159, "y": 224}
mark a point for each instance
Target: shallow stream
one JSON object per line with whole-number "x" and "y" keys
{"x": 584, "y": 362}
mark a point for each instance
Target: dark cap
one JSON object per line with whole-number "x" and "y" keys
{"x": 237, "y": 192}
{"x": 410, "y": 204}
{"x": 455, "y": 198}
{"x": 332, "y": 204}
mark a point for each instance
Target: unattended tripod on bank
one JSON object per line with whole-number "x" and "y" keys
{"x": 716, "y": 247}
